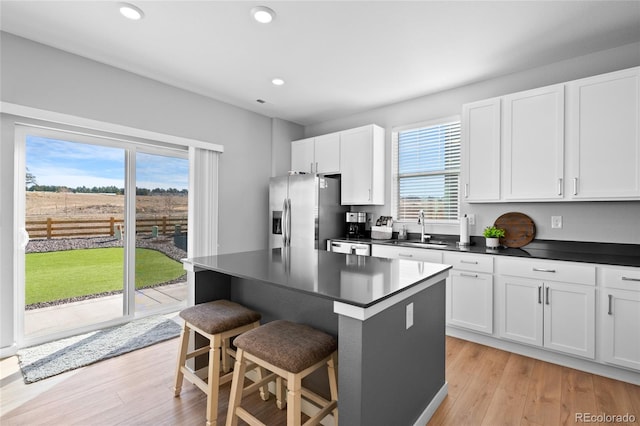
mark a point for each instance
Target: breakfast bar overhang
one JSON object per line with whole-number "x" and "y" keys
{"x": 388, "y": 316}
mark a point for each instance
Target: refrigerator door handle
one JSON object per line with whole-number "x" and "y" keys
{"x": 288, "y": 222}
{"x": 284, "y": 223}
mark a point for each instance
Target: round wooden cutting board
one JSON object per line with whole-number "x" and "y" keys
{"x": 519, "y": 229}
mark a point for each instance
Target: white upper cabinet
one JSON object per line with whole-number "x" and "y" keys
{"x": 481, "y": 150}
{"x": 302, "y": 156}
{"x": 603, "y": 143}
{"x": 362, "y": 165}
{"x": 327, "y": 153}
{"x": 533, "y": 162}
{"x": 316, "y": 155}
{"x": 574, "y": 141}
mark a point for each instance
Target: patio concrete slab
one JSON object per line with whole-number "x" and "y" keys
{"x": 51, "y": 319}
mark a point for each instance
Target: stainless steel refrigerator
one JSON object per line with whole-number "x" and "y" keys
{"x": 305, "y": 211}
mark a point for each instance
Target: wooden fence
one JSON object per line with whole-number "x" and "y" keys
{"x": 52, "y": 228}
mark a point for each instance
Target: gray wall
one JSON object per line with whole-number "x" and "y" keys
{"x": 582, "y": 221}
{"x": 283, "y": 133}
{"x": 42, "y": 77}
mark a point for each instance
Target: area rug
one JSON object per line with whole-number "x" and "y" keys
{"x": 50, "y": 359}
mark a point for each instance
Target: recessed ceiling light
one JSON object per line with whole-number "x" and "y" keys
{"x": 263, "y": 14}
{"x": 131, "y": 12}
{"x": 277, "y": 81}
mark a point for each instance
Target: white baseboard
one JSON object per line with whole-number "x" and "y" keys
{"x": 8, "y": 351}
{"x": 433, "y": 406}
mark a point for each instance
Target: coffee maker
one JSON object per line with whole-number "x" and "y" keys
{"x": 356, "y": 224}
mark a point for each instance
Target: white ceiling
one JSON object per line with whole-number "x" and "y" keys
{"x": 337, "y": 57}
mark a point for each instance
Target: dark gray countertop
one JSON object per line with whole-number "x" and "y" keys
{"x": 356, "y": 280}
{"x": 574, "y": 251}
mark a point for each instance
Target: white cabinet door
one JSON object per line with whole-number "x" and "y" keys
{"x": 548, "y": 312}
{"x": 470, "y": 300}
{"x": 521, "y": 310}
{"x": 481, "y": 150}
{"x": 569, "y": 318}
{"x": 620, "y": 316}
{"x": 534, "y": 144}
{"x": 327, "y": 153}
{"x": 302, "y": 156}
{"x": 362, "y": 166}
{"x": 603, "y": 136}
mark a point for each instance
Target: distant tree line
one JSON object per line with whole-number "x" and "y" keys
{"x": 106, "y": 190}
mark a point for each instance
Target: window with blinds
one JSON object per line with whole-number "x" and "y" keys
{"x": 426, "y": 170}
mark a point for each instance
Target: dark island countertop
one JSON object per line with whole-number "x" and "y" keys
{"x": 573, "y": 251}
{"x": 354, "y": 280}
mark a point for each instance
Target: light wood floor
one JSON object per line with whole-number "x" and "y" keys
{"x": 486, "y": 387}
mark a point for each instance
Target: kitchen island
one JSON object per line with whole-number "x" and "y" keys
{"x": 388, "y": 316}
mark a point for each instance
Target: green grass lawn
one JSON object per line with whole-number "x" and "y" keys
{"x": 72, "y": 273}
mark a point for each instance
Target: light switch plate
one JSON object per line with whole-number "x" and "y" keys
{"x": 409, "y": 315}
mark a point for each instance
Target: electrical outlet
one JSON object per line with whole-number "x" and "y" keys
{"x": 409, "y": 315}
{"x": 556, "y": 221}
{"x": 472, "y": 218}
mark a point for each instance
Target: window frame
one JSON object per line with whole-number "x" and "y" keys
{"x": 395, "y": 177}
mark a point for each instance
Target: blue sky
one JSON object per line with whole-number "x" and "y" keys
{"x": 57, "y": 162}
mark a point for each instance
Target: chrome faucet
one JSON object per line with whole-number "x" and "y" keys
{"x": 423, "y": 237}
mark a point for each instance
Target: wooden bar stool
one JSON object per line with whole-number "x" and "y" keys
{"x": 290, "y": 351}
{"x": 217, "y": 321}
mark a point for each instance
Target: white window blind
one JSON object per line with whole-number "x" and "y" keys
{"x": 426, "y": 169}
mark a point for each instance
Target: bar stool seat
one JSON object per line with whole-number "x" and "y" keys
{"x": 290, "y": 351}
{"x": 217, "y": 321}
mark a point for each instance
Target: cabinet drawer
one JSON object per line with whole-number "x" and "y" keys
{"x": 624, "y": 279}
{"x": 568, "y": 272}
{"x": 470, "y": 262}
{"x": 380, "y": 250}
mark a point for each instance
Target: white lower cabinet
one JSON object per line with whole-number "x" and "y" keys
{"x": 548, "y": 313}
{"x": 470, "y": 292}
{"x": 620, "y": 317}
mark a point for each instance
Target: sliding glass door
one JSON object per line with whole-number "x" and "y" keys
{"x": 107, "y": 225}
{"x": 74, "y": 263}
{"x": 161, "y": 231}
